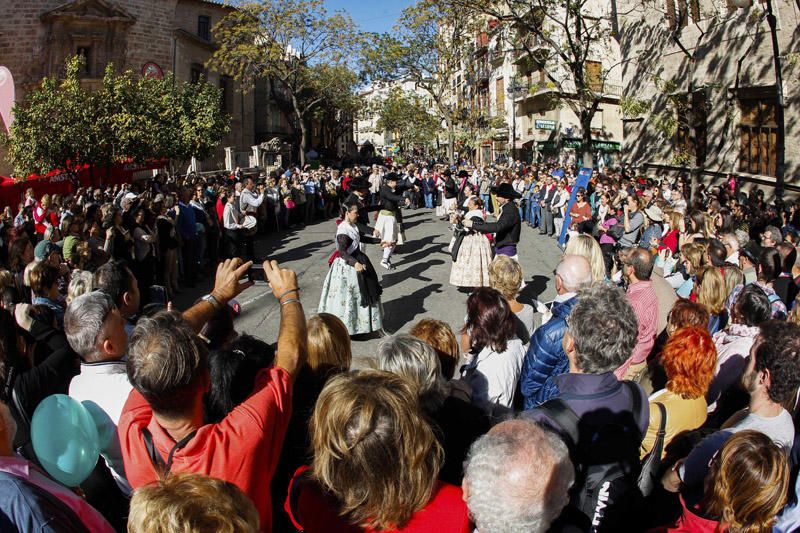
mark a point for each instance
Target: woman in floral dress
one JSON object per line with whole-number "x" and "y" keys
{"x": 351, "y": 290}
{"x": 471, "y": 251}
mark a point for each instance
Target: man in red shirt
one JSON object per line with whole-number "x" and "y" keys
{"x": 161, "y": 428}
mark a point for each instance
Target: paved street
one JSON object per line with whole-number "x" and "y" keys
{"x": 419, "y": 286}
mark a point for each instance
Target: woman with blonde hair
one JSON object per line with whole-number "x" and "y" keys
{"x": 80, "y": 283}
{"x": 691, "y": 257}
{"x": 329, "y": 354}
{"x": 505, "y": 276}
{"x": 746, "y": 486}
{"x": 192, "y": 503}
{"x": 710, "y": 290}
{"x": 329, "y": 347}
{"x": 586, "y": 246}
{"x": 376, "y": 460}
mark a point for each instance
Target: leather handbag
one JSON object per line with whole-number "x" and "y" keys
{"x": 651, "y": 465}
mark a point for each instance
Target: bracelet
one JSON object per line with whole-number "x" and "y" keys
{"x": 289, "y": 300}
{"x": 288, "y": 292}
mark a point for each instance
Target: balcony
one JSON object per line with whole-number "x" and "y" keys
{"x": 530, "y": 46}
{"x": 497, "y": 57}
{"x": 483, "y": 74}
{"x": 608, "y": 90}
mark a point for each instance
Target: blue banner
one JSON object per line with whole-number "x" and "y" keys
{"x": 582, "y": 181}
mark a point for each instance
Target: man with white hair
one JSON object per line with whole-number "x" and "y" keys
{"x": 546, "y": 358}
{"x": 732, "y": 247}
{"x": 516, "y": 478}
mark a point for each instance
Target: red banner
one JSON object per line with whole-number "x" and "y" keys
{"x": 57, "y": 182}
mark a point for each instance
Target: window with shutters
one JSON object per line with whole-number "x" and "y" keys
{"x": 594, "y": 75}
{"x": 680, "y": 12}
{"x": 204, "y": 27}
{"x": 758, "y": 135}
{"x": 500, "y": 89}
{"x": 691, "y": 116}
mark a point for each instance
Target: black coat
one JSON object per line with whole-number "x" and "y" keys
{"x": 506, "y": 229}
{"x": 392, "y": 200}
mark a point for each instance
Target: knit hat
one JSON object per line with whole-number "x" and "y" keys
{"x": 70, "y": 246}
{"x": 44, "y": 249}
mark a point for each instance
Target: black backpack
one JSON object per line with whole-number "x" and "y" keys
{"x": 605, "y": 495}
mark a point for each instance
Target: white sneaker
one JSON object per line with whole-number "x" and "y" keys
{"x": 386, "y": 265}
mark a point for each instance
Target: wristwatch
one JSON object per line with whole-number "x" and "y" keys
{"x": 213, "y": 301}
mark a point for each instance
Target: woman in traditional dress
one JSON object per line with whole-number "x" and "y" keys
{"x": 351, "y": 290}
{"x": 471, "y": 251}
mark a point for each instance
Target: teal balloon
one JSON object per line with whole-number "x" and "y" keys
{"x": 65, "y": 439}
{"x": 106, "y": 429}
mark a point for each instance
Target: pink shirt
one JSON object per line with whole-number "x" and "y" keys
{"x": 643, "y": 299}
{"x": 24, "y": 469}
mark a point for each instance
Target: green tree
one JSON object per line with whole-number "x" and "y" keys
{"x": 428, "y": 46}
{"x": 55, "y": 127}
{"x": 293, "y": 42}
{"x": 406, "y": 116}
{"x": 565, "y": 40}
{"x": 61, "y": 125}
{"x": 340, "y": 102}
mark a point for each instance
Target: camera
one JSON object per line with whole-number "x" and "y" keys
{"x": 256, "y": 273}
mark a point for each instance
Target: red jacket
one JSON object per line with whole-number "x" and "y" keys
{"x": 312, "y": 510}
{"x": 242, "y": 449}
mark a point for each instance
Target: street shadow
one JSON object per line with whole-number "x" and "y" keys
{"x": 533, "y": 288}
{"x": 413, "y": 272}
{"x": 411, "y": 258}
{"x": 301, "y": 252}
{"x": 417, "y": 244}
{"x": 400, "y": 311}
{"x": 413, "y": 223}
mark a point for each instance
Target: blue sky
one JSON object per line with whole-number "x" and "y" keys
{"x": 371, "y": 15}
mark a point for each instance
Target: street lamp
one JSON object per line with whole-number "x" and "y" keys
{"x": 776, "y": 58}
{"x": 515, "y": 90}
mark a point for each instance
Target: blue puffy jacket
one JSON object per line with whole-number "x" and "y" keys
{"x": 546, "y": 358}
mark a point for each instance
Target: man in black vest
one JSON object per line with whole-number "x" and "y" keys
{"x": 508, "y": 225}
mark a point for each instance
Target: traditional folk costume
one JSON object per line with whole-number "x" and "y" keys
{"x": 508, "y": 225}
{"x": 472, "y": 253}
{"x": 390, "y": 219}
{"x": 352, "y": 296}
{"x": 450, "y": 200}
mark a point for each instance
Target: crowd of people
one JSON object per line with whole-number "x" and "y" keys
{"x": 656, "y": 392}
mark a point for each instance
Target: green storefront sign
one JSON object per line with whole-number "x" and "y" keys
{"x": 576, "y": 144}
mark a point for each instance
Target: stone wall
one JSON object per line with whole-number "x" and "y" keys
{"x": 34, "y": 44}
{"x": 725, "y": 44}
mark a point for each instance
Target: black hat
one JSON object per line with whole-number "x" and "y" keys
{"x": 391, "y": 176}
{"x": 463, "y": 174}
{"x": 505, "y": 190}
{"x": 359, "y": 183}
{"x": 447, "y": 172}
{"x": 752, "y": 251}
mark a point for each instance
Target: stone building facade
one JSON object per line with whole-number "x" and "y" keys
{"x": 153, "y": 36}
{"x": 700, "y": 89}
{"x": 501, "y": 78}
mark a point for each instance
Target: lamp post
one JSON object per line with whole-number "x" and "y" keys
{"x": 776, "y": 59}
{"x": 515, "y": 90}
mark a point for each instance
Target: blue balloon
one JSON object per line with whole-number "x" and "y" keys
{"x": 65, "y": 439}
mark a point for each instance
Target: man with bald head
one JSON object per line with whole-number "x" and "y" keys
{"x": 546, "y": 358}
{"x": 637, "y": 267}
{"x": 517, "y": 478}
